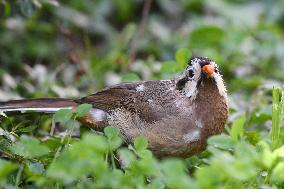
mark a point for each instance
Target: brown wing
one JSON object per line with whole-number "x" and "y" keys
{"x": 147, "y": 99}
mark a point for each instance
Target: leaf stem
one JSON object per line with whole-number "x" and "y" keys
{"x": 277, "y": 112}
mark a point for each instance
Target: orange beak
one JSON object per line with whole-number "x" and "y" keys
{"x": 208, "y": 70}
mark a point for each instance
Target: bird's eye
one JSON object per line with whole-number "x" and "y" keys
{"x": 190, "y": 72}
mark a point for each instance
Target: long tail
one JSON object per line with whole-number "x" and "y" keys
{"x": 47, "y": 105}
{"x": 95, "y": 119}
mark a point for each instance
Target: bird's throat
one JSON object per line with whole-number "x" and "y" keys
{"x": 212, "y": 106}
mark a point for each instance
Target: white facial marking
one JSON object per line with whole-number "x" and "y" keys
{"x": 190, "y": 88}
{"x": 98, "y": 114}
{"x": 196, "y": 69}
{"x": 192, "y": 136}
{"x": 140, "y": 88}
{"x": 220, "y": 84}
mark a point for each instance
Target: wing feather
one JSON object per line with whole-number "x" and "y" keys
{"x": 142, "y": 98}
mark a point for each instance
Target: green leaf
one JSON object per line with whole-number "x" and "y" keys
{"x": 205, "y": 37}
{"x": 4, "y": 144}
{"x": 63, "y": 169}
{"x": 26, "y": 129}
{"x": 83, "y": 109}
{"x": 6, "y": 168}
{"x": 126, "y": 156}
{"x": 173, "y": 167}
{"x": 237, "y": 129}
{"x": 182, "y": 57}
{"x": 277, "y": 175}
{"x": 95, "y": 143}
{"x": 63, "y": 115}
{"x": 266, "y": 156}
{"x": 277, "y": 113}
{"x": 83, "y": 158}
{"x": 252, "y": 136}
{"x": 221, "y": 141}
{"x": 278, "y": 153}
{"x": 244, "y": 150}
{"x": 35, "y": 167}
{"x": 29, "y": 147}
{"x": 111, "y": 132}
{"x": 207, "y": 177}
{"x": 175, "y": 175}
{"x": 156, "y": 184}
{"x": 113, "y": 138}
{"x": 140, "y": 143}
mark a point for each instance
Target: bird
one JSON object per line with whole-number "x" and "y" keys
{"x": 176, "y": 116}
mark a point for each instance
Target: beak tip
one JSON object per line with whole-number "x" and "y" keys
{"x": 208, "y": 70}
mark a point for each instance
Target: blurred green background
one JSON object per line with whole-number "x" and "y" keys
{"x": 73, "y": 48}
{"x": 61, "y": 48}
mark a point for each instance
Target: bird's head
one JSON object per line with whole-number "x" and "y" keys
{"x": 200, "y": 70}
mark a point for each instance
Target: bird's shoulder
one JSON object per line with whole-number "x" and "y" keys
{"x": 132, "y": 90}
{"x": 149, "y": 99}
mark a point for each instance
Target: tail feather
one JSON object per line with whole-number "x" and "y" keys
{"x": 95, "y": 119}
{"x": 47, "y": 105}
